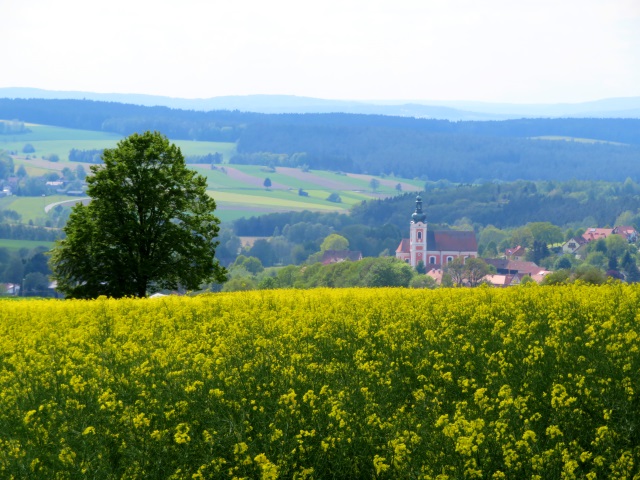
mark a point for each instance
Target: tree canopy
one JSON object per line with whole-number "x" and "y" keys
{"x": 149, "y": 225}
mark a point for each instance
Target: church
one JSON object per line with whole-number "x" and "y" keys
{"x": 434, "y": 247}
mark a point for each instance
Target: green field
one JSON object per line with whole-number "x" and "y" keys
{"x": 238, "y": 189}
{"x": 18, "y": 244}
{"x": 48, "y": 140}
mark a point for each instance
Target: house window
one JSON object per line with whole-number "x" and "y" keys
{"x": 432, "y": 260}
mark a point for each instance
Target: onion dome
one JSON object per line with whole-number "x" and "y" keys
{"x": 418, "y": 215}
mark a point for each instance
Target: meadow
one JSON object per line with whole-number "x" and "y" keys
{"x": 526, "y": 382}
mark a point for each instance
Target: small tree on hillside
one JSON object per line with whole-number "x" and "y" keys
{"x": 267, "y": 182}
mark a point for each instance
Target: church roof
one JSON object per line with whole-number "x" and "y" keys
{"x": 445, "y": 241}
{"x": 404, "y": 246}
{"x": 451, "y": 240}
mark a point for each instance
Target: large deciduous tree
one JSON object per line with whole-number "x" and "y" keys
{"x": 149, "y": 225}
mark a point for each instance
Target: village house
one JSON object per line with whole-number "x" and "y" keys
{"x": 505, "y": 266}
{"x": 517, "y": 253}
{"x": 577, "y": 246}
{"x": 629, "y": 233}
{"x": 336, "y": 256}
{"x": 574, "y": 246}
{"x": 434, "y": 247}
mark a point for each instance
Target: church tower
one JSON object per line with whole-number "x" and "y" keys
{"x": 418, "y": 236}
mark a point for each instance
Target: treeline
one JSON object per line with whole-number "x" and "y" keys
{"x": 458, "y": 156}
{"x": 466, "y": 151}
{"x": 27, "y": 268}
{"x": 368, "y": 272}
{"x": 12, "y": 127}
{"x": 126, "y": 119}
{"x": 86, "y": 156}
{"x": 13, "y": 231}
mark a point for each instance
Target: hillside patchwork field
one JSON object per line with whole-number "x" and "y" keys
{"x": 238, "y": 189}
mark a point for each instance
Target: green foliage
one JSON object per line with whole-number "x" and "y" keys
{"x": 469, "y": 271}
{"x": 546, "y": 232}
{"x": 423, "y": 281}
{"x": 556, "y": 278}
{"x": 334, "y": 242}
{"x": 590, "y": 274}
{"x": 616, "y": 245}
{"x": 150, "y": 224}
{"x": 388, "y": 273}
{"x": 563, "y": 263}
{"x": 252, "y": 264}
{"x": 6, "y": 165}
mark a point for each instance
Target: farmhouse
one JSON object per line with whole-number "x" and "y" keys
{"x": 434, "y": 247}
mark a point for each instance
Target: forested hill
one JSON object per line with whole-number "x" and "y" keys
{"x": 465, "y": 151}
{"x": 505, "y": 205}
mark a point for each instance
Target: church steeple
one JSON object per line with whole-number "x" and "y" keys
{"x": 418, "y": 215}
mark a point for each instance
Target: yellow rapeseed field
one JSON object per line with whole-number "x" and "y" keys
{"x": 526, "y": 382}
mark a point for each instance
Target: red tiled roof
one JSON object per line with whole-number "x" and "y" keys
{"x": 445, "y": 241}
{"x": 404, "y": 246}
{"x": 626, "y": 231}
{"x": 451, "y": 240}
{"x": 596, "y": 233}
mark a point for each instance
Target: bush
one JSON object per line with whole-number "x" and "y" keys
{"x": 334, "y": 197}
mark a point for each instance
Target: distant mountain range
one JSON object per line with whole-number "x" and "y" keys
{"x": 445, "y": 110}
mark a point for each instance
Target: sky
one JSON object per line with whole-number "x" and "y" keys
{"x": 513, "y": 51}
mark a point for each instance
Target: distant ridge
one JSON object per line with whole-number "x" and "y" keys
{"x": 453, "y": 110}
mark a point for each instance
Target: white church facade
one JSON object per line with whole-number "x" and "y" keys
{"x": 434, "y": 248}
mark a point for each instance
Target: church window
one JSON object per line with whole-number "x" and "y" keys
{"x": 419, "y": 235}
{"x": 432, "y": 260}
{"x": 449, "y": 259}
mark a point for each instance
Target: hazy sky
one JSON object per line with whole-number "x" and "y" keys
{"x": 524, "y": 51}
